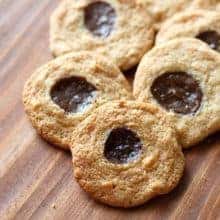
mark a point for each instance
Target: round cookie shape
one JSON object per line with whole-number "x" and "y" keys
{"x": 182, "y": 78}
{"x": 62, "y": 93}
{"x": 163, "y": 9}
{"x": 201, "y": 24}
{"x": 120, "y": 30}
{"x": 145, "y": 158}
{"x": 207, "y": 4}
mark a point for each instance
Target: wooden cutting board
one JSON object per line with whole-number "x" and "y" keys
{"x": 36, "y": 180}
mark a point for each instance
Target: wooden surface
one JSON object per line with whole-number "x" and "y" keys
{"x": 36, "y": 179}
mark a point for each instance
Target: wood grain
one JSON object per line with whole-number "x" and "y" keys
{"x": 36, "y": 179}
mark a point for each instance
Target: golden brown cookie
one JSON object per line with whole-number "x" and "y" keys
{"x": 182, "y": 78}
{"x": 201, "y": 24}
{"x": 62, "y": 93}
{"x": 126, "y": 153}
{"x": 207, "y": 4}
{"x": 160, "y": 10}
{"x": 120, "y": 30}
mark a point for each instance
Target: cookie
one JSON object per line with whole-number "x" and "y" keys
{"x": 62, "y": 93}
{"x": 182, "y": 78}
{"x": 207, "y": 4}
{"x": 120, "y": 30}
{"x": 161, "y": 10}
{"x": 201, "y": 24}
{"x": 126, "y": 153}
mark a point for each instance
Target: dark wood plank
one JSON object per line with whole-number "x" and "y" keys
{"x": 36, "y": 180}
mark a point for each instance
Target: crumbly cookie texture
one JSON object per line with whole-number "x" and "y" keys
{"x": 161, "y": 10}
{"x": 195, "y": 58}
{"x": 189, "y": 24}
{"x": 156, "y": 171}
{"x": 51, "y": 121}
{"x": 207, "y": 4}
{"x": 132, "y": 35}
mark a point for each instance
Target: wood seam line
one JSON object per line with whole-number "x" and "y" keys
{"x": 20, "y": 201}
{"x": 8, "y": 157}
{"x": 28, "y": 25}
{"x": 9, "y": 114}
{"x": 13, "y": 12}
{"x": 209, "y": 196}
{"x": 197, "y": 180}
{"x": 214, "y": 206}
{"x": 66, "y": 174}
{"x": 4, "y": 56}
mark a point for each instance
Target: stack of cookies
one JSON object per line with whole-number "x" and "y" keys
{"x": 127, "y": 141}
